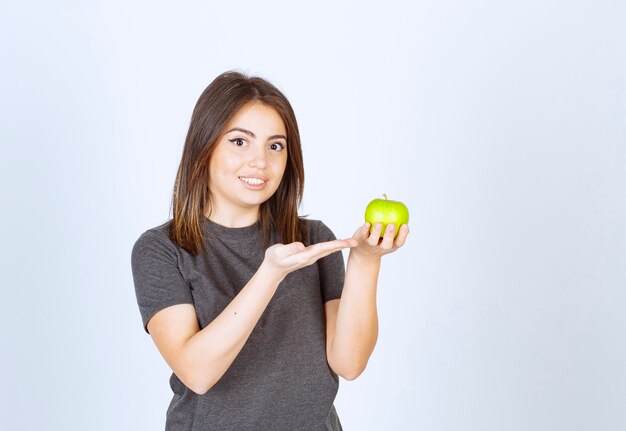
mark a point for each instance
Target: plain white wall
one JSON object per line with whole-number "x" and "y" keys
{"x": 502, "y": 125}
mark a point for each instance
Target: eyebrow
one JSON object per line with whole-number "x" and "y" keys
{"x": 249, "y": 133}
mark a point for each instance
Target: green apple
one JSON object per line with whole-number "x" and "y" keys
{"x": 385, "y": 211}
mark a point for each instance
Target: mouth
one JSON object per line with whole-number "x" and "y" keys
{"x": 254, "y": 182}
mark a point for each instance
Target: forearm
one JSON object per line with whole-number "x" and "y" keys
{"x": 356, "y": 329}
{"x": 210, "y": 352}
{"x": 201, "y": 357}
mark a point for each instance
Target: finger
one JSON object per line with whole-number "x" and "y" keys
{"x": 402, "y": 235}
{"x": 318, "y": 256}
{"x": 375, "y": 234}
{"x": 351, "y": 242}
{"x": 289, "y": 249}
{"x": 330, "y": 246}
{"x": 387, "y": 242}
{"x": 362, "y": 232}
{"x": 319, "y": 250}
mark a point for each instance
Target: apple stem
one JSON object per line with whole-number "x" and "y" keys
{"x": 385, "y": 196}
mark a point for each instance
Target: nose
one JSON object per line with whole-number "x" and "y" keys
{"x": 258, "y": 158}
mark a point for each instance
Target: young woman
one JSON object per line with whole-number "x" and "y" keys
{"x": 249, "y": 304}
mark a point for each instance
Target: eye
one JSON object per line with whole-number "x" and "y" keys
{"x": 238, "y": 142}
{"x": 277, "y": 146}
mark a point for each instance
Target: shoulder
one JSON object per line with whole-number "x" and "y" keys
{"x": 156, "y": 238}
{"x": 317, "y": 231}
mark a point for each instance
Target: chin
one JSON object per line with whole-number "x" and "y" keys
{"x": 255, "y": 202}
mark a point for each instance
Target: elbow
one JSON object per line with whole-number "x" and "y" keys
{"x": 352, "y": 374}
{"x": 199, "y": 377}
{"x": 349, "y": 373}
{"x": 198, "y": 389}
{"x": 199, "y": 385}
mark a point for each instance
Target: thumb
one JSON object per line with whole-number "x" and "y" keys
{"x": 289, "y": 249}
{"x": 362, "y": 232}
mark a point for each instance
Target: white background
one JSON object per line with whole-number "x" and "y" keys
{"x": 501, "y": 124}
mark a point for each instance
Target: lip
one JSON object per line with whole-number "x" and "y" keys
{"x": 249, "y": 186}
{"x": 257, "y": 176}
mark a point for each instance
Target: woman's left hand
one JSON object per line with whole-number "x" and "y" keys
{"x": 371, "y": 245}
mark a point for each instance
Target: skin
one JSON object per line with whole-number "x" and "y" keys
{"x": 239, "y": 154}
{"x": 200, "y": 357}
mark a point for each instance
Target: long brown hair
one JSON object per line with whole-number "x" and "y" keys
{"x": 217, "y": 105}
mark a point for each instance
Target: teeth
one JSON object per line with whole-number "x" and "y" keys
{"x": 253, "y": 181}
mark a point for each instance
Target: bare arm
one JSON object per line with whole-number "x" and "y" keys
{"x": 352, "y": 321}
{"x": 201, "y": 357}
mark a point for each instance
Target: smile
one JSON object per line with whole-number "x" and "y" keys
{"x": 253, "y": 181}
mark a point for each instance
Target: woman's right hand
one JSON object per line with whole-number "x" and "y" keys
{"x": 281, "y": 259}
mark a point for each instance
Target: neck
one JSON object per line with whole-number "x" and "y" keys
{"x": 234, "y": 219}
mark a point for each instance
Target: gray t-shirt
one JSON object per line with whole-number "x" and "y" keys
{"x": 281, "y": 379}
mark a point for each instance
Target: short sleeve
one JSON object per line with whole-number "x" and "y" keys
{"x": 158, "y": 281}
{"x": 331, "y": 268}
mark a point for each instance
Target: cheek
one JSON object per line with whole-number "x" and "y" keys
{"x": 281, "y": 164}
{"x": 225, "y": 165}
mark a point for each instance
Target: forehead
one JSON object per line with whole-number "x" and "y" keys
{"x": 258, "y": 118}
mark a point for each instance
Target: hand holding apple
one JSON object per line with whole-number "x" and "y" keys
{"x": 386, "y": 230}
{"x": 385, "y": 211}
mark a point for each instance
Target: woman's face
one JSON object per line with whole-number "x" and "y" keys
{"x": 249, "y": 160}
